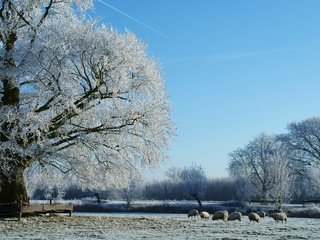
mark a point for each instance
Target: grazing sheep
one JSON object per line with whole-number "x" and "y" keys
{"x": 254, "y": 217}
{"x": 223, "y": 215}
{"x": 279, "y": 217}
{"x": 261, "y": 214}
{"x": 204, "y": 215}
{"x": 193, "y": 213}
{"x": 235, "y": 216}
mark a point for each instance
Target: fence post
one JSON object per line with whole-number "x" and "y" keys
{"x": 20, "y": 210}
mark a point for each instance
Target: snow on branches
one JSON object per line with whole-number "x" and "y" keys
{"x": 89, "y": 101}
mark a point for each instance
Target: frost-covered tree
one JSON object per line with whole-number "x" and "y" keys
{"x": 263, "y": 168}
{"x": 174, "y": 174}
{"x": 133, "y": 189}
{"x": 303, "y": 141}
{"x": 76, "y": 98}
{"x": 195, "y": 181}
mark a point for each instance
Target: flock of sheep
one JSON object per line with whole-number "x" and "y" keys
{"x": 225, "y": 216}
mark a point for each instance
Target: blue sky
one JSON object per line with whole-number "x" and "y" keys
{"x": 233, "y": 69}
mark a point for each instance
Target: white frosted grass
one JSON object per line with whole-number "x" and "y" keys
{"x": 158, "y": 226}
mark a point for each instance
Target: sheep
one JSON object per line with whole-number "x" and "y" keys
{"x": 204, "y": 215}
{"x": 261, "y": 214}
{"x": 193, "y": 213}
{"x": 254, "y": 217}
{"x": 223, "y": 215}
{"x": 235, "y": 216}
{"x": 279, "y": 217}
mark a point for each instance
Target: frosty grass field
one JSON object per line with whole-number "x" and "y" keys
{"x": 155, "y": 226}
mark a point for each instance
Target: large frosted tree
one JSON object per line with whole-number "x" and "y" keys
{"x": 262, "y": 167}
{"x": 76, "y": 97}
{"x": 303, "y": 140}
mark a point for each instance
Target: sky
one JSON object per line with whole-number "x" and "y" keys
{"x": 233, "y": 69}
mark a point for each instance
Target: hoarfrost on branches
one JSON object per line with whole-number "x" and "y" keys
{"x": 262, "y": 167}
{"x": 303, "y": 140}
{"x": 77, "y": 97}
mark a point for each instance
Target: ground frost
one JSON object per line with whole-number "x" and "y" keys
{"x": 139, "y": 227}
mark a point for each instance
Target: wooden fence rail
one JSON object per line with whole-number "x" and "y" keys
{"x": 21, "y": 209}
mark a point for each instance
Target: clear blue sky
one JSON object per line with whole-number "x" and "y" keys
{"x": 233, "y": 69}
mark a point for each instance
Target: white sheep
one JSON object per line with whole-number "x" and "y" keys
{"x": 279, "y": 217}
{"x": 254, "y": 217}
{"x": 261, "y": 214}
{"x": 193, "y": 213}
{"x": 204, "y": 215}
{"x": 223, "y": 215}
{"x": 235, "y": 216}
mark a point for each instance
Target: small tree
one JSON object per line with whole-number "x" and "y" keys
{"x": 195, "y": 181}
{"x": 174, "y": 174}
{"x": 132, "y": 189}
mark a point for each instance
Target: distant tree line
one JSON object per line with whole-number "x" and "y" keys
{"x": 174, "y": 188}
{"x": 188, "y": 183}
{"x": 219, "y": 189}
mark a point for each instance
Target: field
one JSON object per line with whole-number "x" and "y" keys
{"x": 155, "y": 226}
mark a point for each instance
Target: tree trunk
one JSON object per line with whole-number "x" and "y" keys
{"x": 197, "y": 198}
{"x": 13, "y": 189}
{"x": 12, "y": 186}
